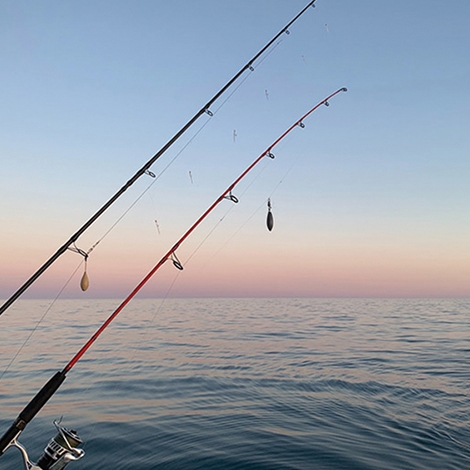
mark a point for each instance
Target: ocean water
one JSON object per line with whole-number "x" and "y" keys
{"x": 246, "y": 383}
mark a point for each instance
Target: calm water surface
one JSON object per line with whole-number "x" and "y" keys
{"x": 247, "y": 383}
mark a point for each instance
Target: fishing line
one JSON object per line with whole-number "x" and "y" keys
{"x": 234, "y": 234}
{"x": 144, "y": 339}
{"x": 284, "y": 176}
{"x": 155, "y": 178}
{"x": 38, "y": 323}
{"x": 151, "y": 321}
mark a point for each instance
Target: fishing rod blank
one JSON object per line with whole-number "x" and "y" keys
{"x": 145, "y": 169}
{"x": 35, "y": 405}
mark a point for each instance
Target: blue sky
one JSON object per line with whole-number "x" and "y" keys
{"x": 370, "y": 199}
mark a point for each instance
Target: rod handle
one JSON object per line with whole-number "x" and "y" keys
{"x": 31, "y": 410}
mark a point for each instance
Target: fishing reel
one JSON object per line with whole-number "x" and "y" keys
{"x": 61, "y": 449}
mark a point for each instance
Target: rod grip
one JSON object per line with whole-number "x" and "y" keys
{"x": 31, "y": 409}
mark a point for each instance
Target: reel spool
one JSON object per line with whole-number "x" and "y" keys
{"x": 62, "y": 449}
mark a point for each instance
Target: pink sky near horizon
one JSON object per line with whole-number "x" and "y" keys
{"x": 324, "y": 271}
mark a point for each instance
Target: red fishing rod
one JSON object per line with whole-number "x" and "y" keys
{"x": 69, "y": 244}
{"x": 10, "y": 437}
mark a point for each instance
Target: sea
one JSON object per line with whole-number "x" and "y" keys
{"x": 317, "y": 384}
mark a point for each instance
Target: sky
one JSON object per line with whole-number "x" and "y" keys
{"x": 370, "y": 199}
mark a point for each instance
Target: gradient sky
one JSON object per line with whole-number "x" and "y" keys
{"x": 370, "y": 199}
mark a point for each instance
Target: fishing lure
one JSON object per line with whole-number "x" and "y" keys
{"x": 269, "y": 218}
{"x": 84, "y": 282}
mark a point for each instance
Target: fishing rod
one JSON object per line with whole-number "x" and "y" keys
{"x": 9, "y": 439}
{"x": 69, "y": 244}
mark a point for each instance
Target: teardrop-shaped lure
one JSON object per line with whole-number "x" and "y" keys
{"x": 270, "y": 221}
{"x": 270, "y": 218}
{"x": 85, "y": 282}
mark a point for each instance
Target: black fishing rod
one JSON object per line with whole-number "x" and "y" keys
{"x": 145, "y": 169}
{"x": 9, "y": 439}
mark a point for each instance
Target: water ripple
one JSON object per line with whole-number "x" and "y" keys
{"x": 250, "y": 384}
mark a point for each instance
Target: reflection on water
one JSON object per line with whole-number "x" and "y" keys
{"x": 248, "y": 383}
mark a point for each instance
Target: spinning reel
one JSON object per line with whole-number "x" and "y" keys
{"x": 61, "y": 449}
